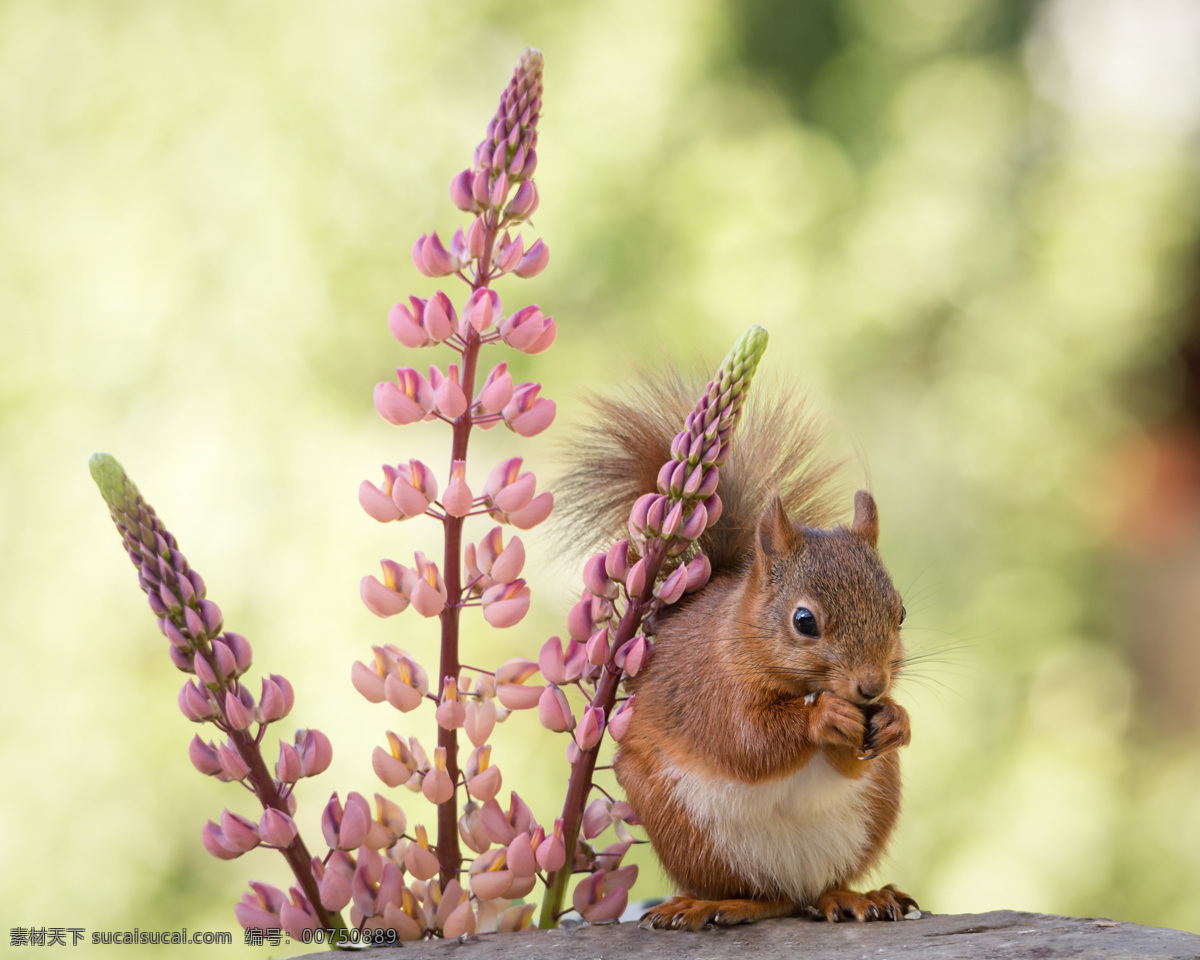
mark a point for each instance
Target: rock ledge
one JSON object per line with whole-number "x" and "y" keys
{"x": 1003, "y": 934}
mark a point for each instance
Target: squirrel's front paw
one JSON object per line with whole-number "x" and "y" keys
{"x": 836, "y": 722}
{"x": 887, "y": 728}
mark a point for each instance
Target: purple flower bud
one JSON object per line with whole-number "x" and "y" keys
{"x": 698, "y": 572}
{"x": 211, "y": 615}
{"x": 236, "y": 714}
{"x": 174, "y": 634}
{"x": 655, "y": 515}
{"x": 713, "y": 506}
{"x": 418, "y": 257}
{"x": 639, "y": 513}
{"x": 461, "y": 194}
{"x": 672, "y": 588}
{"x": 633, "y": 655}
{"x": 436, "y": 258}
{"x": 616, "y": 561}
{"x": 635, "y": 581}
{"x": 226, "y": 663}
{"x": 673, "y": 521}
{"x": 499, "y": 191}
{"x": 286, "y": 691}
{"x": 203, "y": 670}
{"x": 180, "y": 658}
{"x": 552, "y": 662}
{"x": 193, "y": 704}
{"x": 232, "y": 764}
{"x": 204, "y": 757}
{"x": 270, "y": 703}
{"x": 243, "y": 654}
{"x": 194, "y": 623}
{"x": 277, "y": 827}
{"x": 595, "y": 577}
{"x": 356, "y": 819}
{"x": 696, "y": 523}
{"x": 525, "y": 203}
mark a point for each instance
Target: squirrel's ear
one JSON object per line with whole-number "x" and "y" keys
{"x": 776, "y": 536}
{"x": 866, "y": 518}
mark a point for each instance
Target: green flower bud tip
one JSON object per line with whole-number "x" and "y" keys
{"x": 115, "y": 486}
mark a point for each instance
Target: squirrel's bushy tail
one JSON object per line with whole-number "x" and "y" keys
{"x": 615, "y": 457}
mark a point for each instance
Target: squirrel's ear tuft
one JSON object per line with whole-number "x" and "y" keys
{"x": 776, "y": 535}
{"x": 866, "y": 518}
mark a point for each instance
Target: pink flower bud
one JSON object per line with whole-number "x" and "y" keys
{"x": 448, "y": 394}
{"x": 533, "y": 513}
{"x": 485, "y": 784}
{"x": 367, "y": 681}
{"x": 496, "y": 391}
{"x": 480, "y": 720}
{"x": 509, "y": 254}
{"x": 526, "y": 414}
{"x": 436, "y": 258}
{"x": 505, "y": 604}
{"x": 673, "y": 520}
{"x": 551, "y": 852}
{"x": 552, "y": 662}
{"x": 396, "y": 767}
{"x": 391, "y": 596}
{"x": 470, "y": 828}
{"x": 476, "y": 239}
{"x": 429, "y": 592}
{"x": 554, "y": 711}
{"x": 288, "y": 768}
{"x": 461, "y": 920}
{"x": 315, "y": 751}
{"x": 232, "y": 764}
{"x": 236, "y": 714}
{"x": 216, "y": 843}
{"x": 579, "y": 620}
{"x": 699, "y": 571}
{"x": 259, "y": 910}
{"x": 635, "y": 581}
{"x": 534, "y": 261}
{"x": 524, "y": 204}
{"x": 597, "y": 647}
{"x": 277, "y": 828}
{"x": 458, "y": 498}
{"x": 596, "y": 818}
{"x": 517, "y": 494}
{"x": 418, "y": 257}
{"x": 180, "y": 658}
{"x": 499, "y": 190}
{"x": 633, "y": 655}
{"x": 521, "y": 860}
{"x": 204, "y": 757}
{"x": 713, "y": 506}
{"x": 482, "y": 309}
{"x": 204, "y": 670}
{"x": 377, "y": 503}
{"x": 672, "y": 588}
{"x": 590, "y": 729}
{"x": 461, "y": 193}
{"x": 395, "y": 406}
{"x": 193, "y": 703}
{"x": 239, "y": 832}
{"x": 618, "y": 723}
{"x": 355, "y": 822}
{"x": 406, "y": 325}
{"x": 505, "y": 562}
{"x": 438, "y": 319}
{"x": 639, "y": 513}
{"x": 695, "y": 524}
{"x": 595, "y": 577}
{"x": 336, "y": 889}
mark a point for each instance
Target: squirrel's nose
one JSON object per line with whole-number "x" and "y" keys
{"x": 872, "y": 689}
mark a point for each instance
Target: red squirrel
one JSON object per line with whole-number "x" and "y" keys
{"x": 762, "y": 753}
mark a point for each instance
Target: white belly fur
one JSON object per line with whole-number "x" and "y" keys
{"x": 798, "y": 834}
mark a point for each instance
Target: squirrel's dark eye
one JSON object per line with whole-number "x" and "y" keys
{"x": 903, "y": 614}
{"x": 805, "y": 623}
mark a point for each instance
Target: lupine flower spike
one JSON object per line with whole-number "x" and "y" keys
{"x": 216, "y": 660}
{"x": 613, "y": 624}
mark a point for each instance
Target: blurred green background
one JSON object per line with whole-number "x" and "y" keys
{"x": 970, "y": 227}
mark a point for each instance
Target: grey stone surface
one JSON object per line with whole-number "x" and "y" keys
{"x": 1003, "y": 935}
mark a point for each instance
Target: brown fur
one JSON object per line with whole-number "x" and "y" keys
{"x": 734, "y": 694}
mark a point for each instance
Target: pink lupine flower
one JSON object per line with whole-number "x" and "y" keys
{"x": 418, "y": 858}
{"x": 505, "y": 604}
{"x": 461, "y": 194}
{"x": 451, "y": 714}
{"x": 552, "y": 852}
{"x": 496, "y": 391}
{"x": 346, "y": 829}
{"x": 597, "y": 647}
{"x": 232, "y": 764}
{"x": 277, "y": 828}
{"x": 432, "y": 259}
{"x": 554, "y": 711}
{"x": 395, "y": 766}
{"x": 672, "y": 588}
{"x": 482, "y": 309}
{"x": 521, "y": 860}
{"x": 390, "y": 597}
{"x": 429, "y": 592}
{"x": 502, "y": 827}
{"x": 390, "y": 816}
{"x": 600, "y": 902}
{"x": 447, "y": 392}
{"x": 489, "y": 877}
{"x": 516, "y": 918}
{"x": 259, "y": 909}
{"x": 288, "y": 768}
{"x": 459, "y": 919}
{"x": 533, "y": 513}
{"x": 204, "y": 756}
{"x": 437, "y": 785}
{"x": 216, "y": 843}
{"x": 699, "y": 571}
{"x": 193, "y": 704}
{"x": 483, "y": 780}
{"x": 524, "y": 204}
{"x": 407, "y": 399}
{"x": 500, "y": 562}
{"x": 525, "y": 327}
{"x": 239, "y": 832}
{"x": 596, "y": 578}
{"x": 510, "y": 688}
{"x": 480, "y": 719}
{"x": 315, "y": 751}
{"x": 633, "y": 655}
{"x": 618, "y": 723}
{"x": 508, "y": 253}
{"x": 527, "y": 414}
{"x": 334, "y": 880}
{"x": 458, "y": 498}
{"x": 590, "y": 728}
{"x": 276, "y": 700}
{"x": 534, "y": 262}
{"x": 470, "y": 828}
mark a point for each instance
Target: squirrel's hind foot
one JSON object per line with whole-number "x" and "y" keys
{"x": 885, "y": 904}
{"x": 688, "y": 913}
